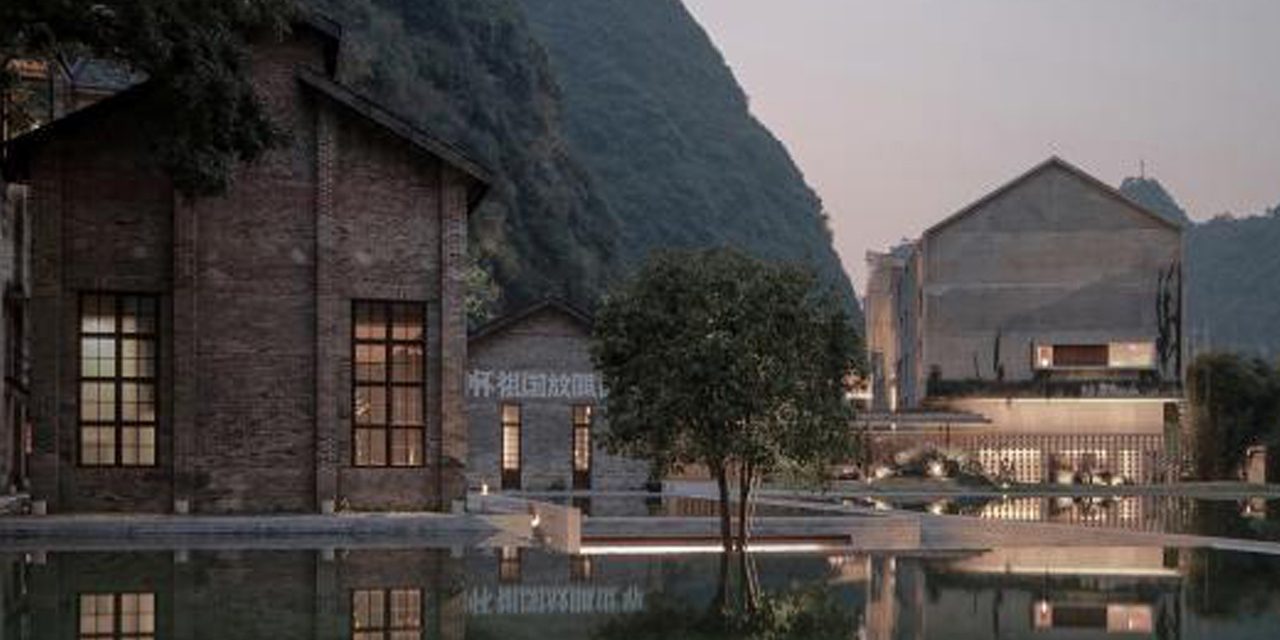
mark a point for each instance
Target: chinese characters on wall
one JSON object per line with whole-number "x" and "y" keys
{"x": 533, "y": 385}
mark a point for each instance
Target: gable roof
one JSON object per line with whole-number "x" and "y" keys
{"x": 1054, "y": 162}
{"x": 395, "y": 124}
{"x": 498, "y": 325}
{"x": 17, "y": 152}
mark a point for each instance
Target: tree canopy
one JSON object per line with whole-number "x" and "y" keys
{"x": 1236, "y": 404}
{"x": 193, "y": 54}
{"x": 717, "y": 359}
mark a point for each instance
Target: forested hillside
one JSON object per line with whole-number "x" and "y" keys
{"x": 655, "y": 114}
{"x": 1233, "y": 267}
{"x": 615, "y": 126}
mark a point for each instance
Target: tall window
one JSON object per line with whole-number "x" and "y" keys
{"x": 390, "y": 384}
{"x": 582, "y": 416}
{"x": 117, "y": 380}
{"x": 117, "y": 616}
{"x": 386, "y": 614}
{"x": 510, "y": 446}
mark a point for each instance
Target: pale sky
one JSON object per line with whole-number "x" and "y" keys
{"x": 901, "y": 112}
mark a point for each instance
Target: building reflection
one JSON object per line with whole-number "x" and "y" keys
{"x": 389, "y": 594}
{"x": 1024, "y": 592}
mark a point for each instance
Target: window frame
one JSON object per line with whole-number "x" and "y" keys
{"x": 581, "y": 477}
{"x": 511, "y": 479}
{"x": 117, "y": 631}
{"x": 388, "y": 384}
{"x": 117, "y": 381}
{"x": 388, "y": 629}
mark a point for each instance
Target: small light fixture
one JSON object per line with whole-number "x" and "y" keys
{"x": 484, "y": 488}
{"x": 537, "y": 520}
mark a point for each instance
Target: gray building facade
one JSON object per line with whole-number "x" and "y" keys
{"x": 536, "y": 407}
{"x": 1052, "y": 311}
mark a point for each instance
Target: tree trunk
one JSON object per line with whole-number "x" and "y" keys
{"x": 744, "y": 499}
{"x": 745, "y": 481}
{"x": 726, "y": 528}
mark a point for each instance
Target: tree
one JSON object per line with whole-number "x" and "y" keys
{"x": 717, "y": 359}
{"x": 202, "y": 114}
{"x": 1235, "y": 403}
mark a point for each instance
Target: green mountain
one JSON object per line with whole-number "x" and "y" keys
{"x": 615, "y": 126}
{"x": 1151, "y": 194}
{"x": 1233, "y": 275}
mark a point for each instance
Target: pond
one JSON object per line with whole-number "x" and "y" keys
{"x": 1247, "y": 518}
{"x": 511, "y": 594}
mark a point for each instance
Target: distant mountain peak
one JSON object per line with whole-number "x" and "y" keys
{"x": 1149, "y": 193}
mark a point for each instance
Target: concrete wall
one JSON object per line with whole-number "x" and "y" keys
{"x": 1103, "y": 416}
{"x": 547, "y": 342}
{"x": 1055, "y": 259}
{"x": 256, "y": 291}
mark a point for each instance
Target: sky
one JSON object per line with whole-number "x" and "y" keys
{"x": 901, "y": 112}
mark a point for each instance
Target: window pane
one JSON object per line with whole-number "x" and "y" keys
{"x": 406, "y": 609}
{"x": 406, "y": 363}
{"x": 406, "y": 447}
{"x": 97, "y": 357}
{"x": 367, "y": 610}
{"x": 510, "y": 414}
{"x": 582, "y": 449}
{"x": 371, "y": 321}
{"x": 511, "y": 448}
{"x": 137, "y": 402}
{"x": 97, "y": 401}
{"x": 371, "y": 405}
{"x": 407, "y": 322}
{"x": 406, "y": 406}
{"x": 137, "y": 315}
{"x": 371, "y": 447}
{"x": 98, "y": 314}
{"x": 137, "y": 358}
{"x": 371, "y": 365}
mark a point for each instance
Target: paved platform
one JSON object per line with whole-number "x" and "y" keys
{"x": 130, "y": 531}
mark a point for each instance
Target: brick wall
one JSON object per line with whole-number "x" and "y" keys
{"x": 256, "y": 289}
{"x": 551, "y": 342}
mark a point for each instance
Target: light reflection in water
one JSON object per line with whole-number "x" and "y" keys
{"x": 437, "y": 593}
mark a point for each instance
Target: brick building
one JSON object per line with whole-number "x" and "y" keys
{"x": 534, "y": 406}
{"x": 297, "y": 344}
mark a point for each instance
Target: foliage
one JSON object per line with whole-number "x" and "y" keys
{"x": 655, "y": 115}
{"x": 601, "y": 155}
{"x": 714, "y": 358}
{"x": 1232, "y": 299}
{"x": 810, "y": 612}
{"x": 203, "y": 115}
{"x": 1235, "y": 404}
{"x": 471, "y": 72}
{"x": 481, "y": 292}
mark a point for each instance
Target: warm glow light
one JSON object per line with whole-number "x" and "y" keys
{"x": 705, "y": 548}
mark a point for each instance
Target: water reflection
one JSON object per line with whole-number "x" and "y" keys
{"x": 367, "y": 594}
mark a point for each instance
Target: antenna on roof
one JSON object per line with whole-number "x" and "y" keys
{"x": 1142, "y": 168}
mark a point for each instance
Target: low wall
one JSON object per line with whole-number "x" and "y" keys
{"x": 1100, "y": 416}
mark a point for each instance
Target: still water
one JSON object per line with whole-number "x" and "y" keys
{"x": 398, "y": 594}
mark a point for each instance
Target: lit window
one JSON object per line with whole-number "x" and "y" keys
{"x": 117, "y": 381}
{"x": 509, "y": 564}
{"x": 1044, "y": 356}
{"x": 1132, "y": 355}
{"x": 510, "y": 446}
{"x": 117, "y": 616}
{"x": 390, "y": 384}
{"x": 386, "y": 614}
{"x": 582, "y": 417}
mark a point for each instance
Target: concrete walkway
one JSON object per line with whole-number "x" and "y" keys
{"x": 119, "y": 531}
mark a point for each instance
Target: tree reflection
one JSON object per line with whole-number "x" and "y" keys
{"x": 741, "y": 611}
